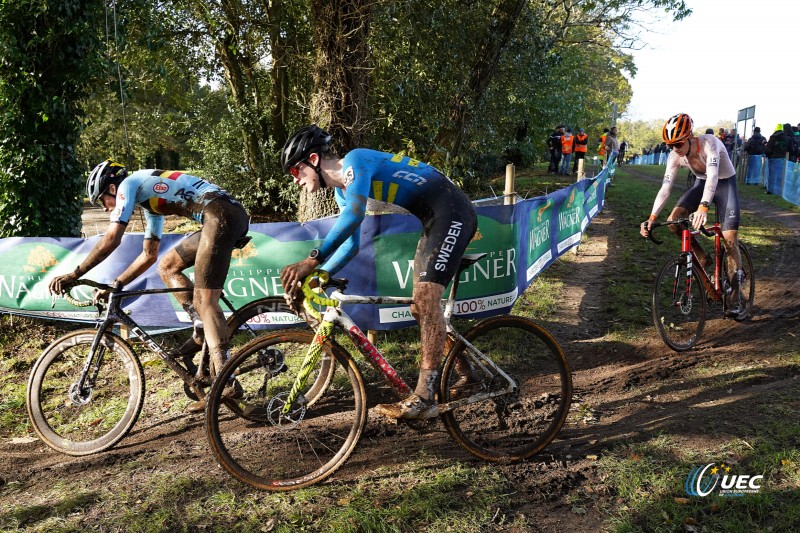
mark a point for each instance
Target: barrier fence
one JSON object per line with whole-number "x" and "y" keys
{"x": 778, "y": 176}
{"x": 520, "y": 241}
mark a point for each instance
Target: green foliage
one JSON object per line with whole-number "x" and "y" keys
{"x": 216, "y": 89}
{"x": 48, "y": 58}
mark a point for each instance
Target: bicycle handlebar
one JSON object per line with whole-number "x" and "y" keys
{"x": 316, "y": 295}
{"x": 682, "y": 222}
{"x": 84, "y": 303}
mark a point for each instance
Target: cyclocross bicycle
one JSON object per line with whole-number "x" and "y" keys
{"x": 86, "y": 389}
{"x": 683, "y": 288}
{"x": 505, "y": 392}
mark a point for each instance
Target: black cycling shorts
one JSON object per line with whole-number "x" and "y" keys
{"x": 726, "y": 199}
{"x": 448, "y": 225}
{"x": 225, "y": 221}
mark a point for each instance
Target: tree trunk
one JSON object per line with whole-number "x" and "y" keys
{"x": 341, "y": 83}
{"x": 450, "y": 136}
{"x": 279, "y": 74}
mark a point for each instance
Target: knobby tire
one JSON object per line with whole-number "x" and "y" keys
{"x": 267, "y": 451}
{"x": 512, "y": 426}
{"x": 102, "y": 415}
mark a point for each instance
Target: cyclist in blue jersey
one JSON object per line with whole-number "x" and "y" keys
{"x": 448, "y": 219}
{"x": 159, "y": 193}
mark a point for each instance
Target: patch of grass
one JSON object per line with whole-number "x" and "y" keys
{"x": 449, "y": 498}
{"x": 649, "y": 478}
{"x": 541, "y": 298}
{"x": 423, "y": 494}
{"x": 58, "y": 515}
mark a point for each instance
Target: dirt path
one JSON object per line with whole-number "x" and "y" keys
{"x": 627, "y": 390}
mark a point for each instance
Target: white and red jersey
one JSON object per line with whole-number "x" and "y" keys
{"x": 714, "y": 166}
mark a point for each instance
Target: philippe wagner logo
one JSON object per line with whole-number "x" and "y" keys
{"x": 703, "y": 480}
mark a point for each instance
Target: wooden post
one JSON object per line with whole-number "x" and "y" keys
{"x": 509, "y": 196}
{"x": 581, "y": 173}
{"x": 372, "y": 336}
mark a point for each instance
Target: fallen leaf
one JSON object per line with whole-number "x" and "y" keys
{"x": 682, "y": 501}
{"x": 690, "y": 521}
{"x": 592, "y": 457}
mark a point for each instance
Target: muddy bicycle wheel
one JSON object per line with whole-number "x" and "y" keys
{"x": 270, "y": 450}
{"x": 518, "y": 424}
{"x": 82, "y": 421}
{"x": 242, "y": 326}
{"x": 679, "y": 307}
{"x": 749, "y": 288}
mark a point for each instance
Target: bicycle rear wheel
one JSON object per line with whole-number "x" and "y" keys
{"x": 271, "y": 451}
{"x": 749, "y": 288}
{"x": 87, "y": 421}
{"x": 679, "y": 312}
{"x": 515, "y": 425}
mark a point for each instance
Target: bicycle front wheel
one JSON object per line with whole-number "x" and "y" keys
{"x": 679, "y": 305}
{"x": 84, "y": 420}
{"x": 517, "y": 424}
{"x": 267, "y": 449}
{"x": 242, "y": 326}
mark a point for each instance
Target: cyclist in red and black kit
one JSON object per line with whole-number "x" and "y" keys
{"x": 448, "y": 219}
{"x": 159, "y": 193}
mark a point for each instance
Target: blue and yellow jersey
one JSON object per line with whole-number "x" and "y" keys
{"x": 385, "y": 177}
{"x": 162, "y": 193}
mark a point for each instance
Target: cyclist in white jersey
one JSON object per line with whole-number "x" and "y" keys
{"x": 707, "y": 158}
{"x": 160, "y": 193}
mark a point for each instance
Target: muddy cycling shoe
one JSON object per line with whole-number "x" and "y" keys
{"x": 233, "y": 391}
{"x": 412, "y": 408}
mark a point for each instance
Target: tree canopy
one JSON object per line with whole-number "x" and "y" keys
{"x": 216, "y": 86}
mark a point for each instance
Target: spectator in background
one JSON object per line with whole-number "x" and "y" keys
{"x": 792, "y": 144}
{"x": 554, "y": 145}
{"x": 612, "y": 153}
{"x": 755, "y": 144}
{"x": 778, "y": 145}
{"x": 623, "y": 147}
{"x": 601, "y": 148}
{"x": 709, "y": 131}
{"x": 581, "y": 144}
{"x": 796, "y": 134}
{"x": 567, "y": 141}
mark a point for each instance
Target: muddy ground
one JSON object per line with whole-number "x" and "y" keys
{"x": 634, "y": 389}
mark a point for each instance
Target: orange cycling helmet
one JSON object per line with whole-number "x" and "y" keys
{"x": 677, "y": 128}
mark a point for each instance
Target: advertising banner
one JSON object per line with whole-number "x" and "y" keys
{"x": 520, "y": 241}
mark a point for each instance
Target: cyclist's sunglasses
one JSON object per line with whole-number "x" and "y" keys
{"x": 295, "y": 170}
{"x": 676, "y": 146}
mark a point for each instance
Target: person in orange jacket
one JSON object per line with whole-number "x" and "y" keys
{"x": 581, "y": 144}
{"x": 567, "y": 141}
{"x": 601, "y": 148}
